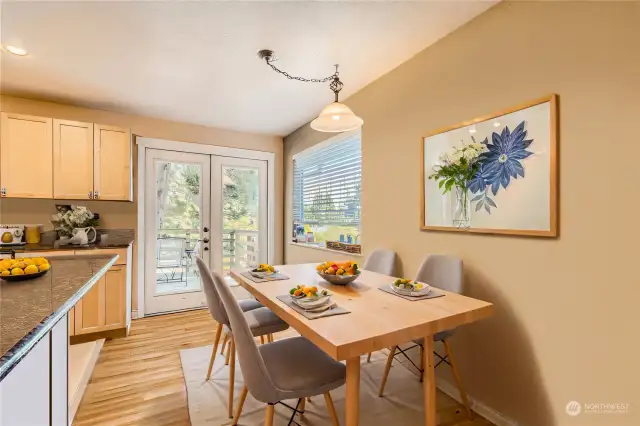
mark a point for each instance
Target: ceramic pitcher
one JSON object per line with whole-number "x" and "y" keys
{"x": 81, "y": 235}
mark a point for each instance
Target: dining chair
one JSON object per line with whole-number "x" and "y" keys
{"x": 444, "y": 272}
{"x": 382, "y": 261}
{"x": 292, "y": 368}
{"x": 261, "y": 321}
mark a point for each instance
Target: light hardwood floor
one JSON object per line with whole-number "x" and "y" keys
{"x": 138, "y": 379}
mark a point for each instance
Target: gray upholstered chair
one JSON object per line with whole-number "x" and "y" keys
{"x": 445, "y": 272}
{"x": 262, "y": 322}
{"x": 383, "y": 262}
{"x": 273, "y": 372}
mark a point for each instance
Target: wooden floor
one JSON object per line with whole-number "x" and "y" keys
{"x": 138, "y": 379}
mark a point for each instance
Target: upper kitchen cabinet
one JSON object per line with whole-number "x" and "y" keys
{"x": 26, "y": 156}
{"x": 72, "y": 160}
{"x": 112, "y": 163}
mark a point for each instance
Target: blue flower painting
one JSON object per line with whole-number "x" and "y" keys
{"x": 501, "y": 162}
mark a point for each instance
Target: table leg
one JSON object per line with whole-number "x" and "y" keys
{"x": 353, "y": 391}
{"x": 429, "y": 382}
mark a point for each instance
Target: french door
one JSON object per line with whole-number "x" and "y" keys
{"x": 201, "y": 205}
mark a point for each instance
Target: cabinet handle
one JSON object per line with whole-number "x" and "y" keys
{"x": 90, "y": 195}
{"x": 96, "y": 195}
{"x": 3, "y": 192}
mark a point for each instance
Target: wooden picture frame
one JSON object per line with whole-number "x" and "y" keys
{"x": 552, "y": 230}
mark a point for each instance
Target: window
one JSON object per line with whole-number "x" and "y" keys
{"x": 326, "y": 189}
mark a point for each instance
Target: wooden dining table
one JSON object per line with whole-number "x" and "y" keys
{"x": 377, "y": 320}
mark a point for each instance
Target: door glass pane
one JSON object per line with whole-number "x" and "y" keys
{"x": 240, "y": 208}
{"x": 178, "y": 217}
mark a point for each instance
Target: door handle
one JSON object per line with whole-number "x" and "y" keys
{"x": 206, "y": 229}
{"x": 206, "y": 249}
{"x": 206, "y": 240}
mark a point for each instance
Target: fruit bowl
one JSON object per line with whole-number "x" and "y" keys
{"x": 340, "y": 279}
{"x": 14, "y": 278}
{"x": 410, "y": 288}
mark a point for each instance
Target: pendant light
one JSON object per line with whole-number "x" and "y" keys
{"x": 335, "y": 117}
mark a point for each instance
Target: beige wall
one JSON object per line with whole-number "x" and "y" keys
{"x": 122, "y": 214}
{"x": 566, "y": 323}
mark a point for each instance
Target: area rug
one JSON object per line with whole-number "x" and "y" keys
{"x": 402, "y": 405}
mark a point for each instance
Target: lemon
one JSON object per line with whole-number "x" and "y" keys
{"x": 20, "y": 265}
{"x": 44, "y": 267}
{"x": 28, "y": 262}
{"x": 17, "y": 271}
{"x": 39, "y": 261}
{"x": 5, "y": 273}
{"x": 31, "y": 269}
{"x": 5, "y": 264}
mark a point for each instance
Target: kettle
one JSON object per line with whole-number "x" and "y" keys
{"x": 81, "y": 235}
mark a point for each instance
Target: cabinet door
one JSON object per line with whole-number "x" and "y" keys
{"x": 104, "y": 306}
{"x": 90, "y": 310}
{"x": 60, "y": 373}
{"x": 112, "y": 163}
{"x": 26, "y": 156}
{"x": 115, "y": 287}
{"x": 72, "y": 160}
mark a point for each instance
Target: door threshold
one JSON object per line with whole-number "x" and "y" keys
{"x": 155, "y": 314}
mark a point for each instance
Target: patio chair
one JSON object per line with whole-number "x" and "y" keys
{"x": 169, "y": 256}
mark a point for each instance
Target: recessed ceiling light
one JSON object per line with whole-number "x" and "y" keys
{"x": 16, "y": 50}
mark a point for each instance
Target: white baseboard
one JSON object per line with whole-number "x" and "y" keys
{"x": 134, "y": 314}
{"x": 494, "y": 416}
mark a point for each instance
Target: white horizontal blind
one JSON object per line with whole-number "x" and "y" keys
{"x": 327, "y": 183}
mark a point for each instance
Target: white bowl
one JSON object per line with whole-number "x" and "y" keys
{"x": 307, "y": 303}
{"x": 413, "y": 293}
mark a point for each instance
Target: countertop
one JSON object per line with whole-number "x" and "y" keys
{"x": 115, "y": 238}
{"x": 29, "y": 309}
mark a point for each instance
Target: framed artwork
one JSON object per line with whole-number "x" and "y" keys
{"x": 496, "y": 174}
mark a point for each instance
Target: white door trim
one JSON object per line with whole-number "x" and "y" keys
{"x": 197, "y": 148}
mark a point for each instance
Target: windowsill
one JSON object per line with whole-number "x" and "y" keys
{"x": 315, "y": 247}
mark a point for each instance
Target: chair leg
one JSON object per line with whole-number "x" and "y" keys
{"x": 232, "y": 375}
{"x": 216, "y": 342}
{"x": 224, "y": 343}
{"x": 332, "y": 409}
{"x": 262, "y": 340}
{"x": 369, "y": 357}
{"x": 226, "y": 362}
{"x": 386, "y": 370}
{"x": 268, "y": 418}
{"x": 243, "y": 396}
{"x": 456, "y": 374}
{"x": 302, "y": 406}
{"x": 421, "y": 363}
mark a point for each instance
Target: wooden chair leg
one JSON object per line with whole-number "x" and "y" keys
{"x": 232, "y": 375}
{"x": 268, "y": 418}
{"x": 262, "y": 340}
{"x": 302, "y": 406}
{"x": 421, "y": 363}
{"x": 224, "y": 344}
{"x": 243, "y": 396}
{"x": 216, "y": 342}
{"x": 456, "y": 374}
{"x": 226, "y": 361}
{"x": 332, "y": 409}
{"x": 369, "y": 357}
{"x": 386, "y": 370}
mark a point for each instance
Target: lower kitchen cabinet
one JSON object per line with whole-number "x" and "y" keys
{"x": 103, "y": 307}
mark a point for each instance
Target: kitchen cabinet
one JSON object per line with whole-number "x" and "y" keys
{"x": 72, "y": 160}
{"x": 60, "y": 159}
{"x": 26, "y": 156}
{"x": 112, "y": 163}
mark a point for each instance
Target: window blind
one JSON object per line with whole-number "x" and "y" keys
{"x": 327, "y": 183}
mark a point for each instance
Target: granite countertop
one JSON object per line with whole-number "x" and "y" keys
{"x": 29, "y": 309}
{"x": 115, "y": 238}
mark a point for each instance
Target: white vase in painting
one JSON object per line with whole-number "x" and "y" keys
{"x": 461, "y": 208}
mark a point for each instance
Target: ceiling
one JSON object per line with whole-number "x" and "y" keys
{"x": 196, "y": 62}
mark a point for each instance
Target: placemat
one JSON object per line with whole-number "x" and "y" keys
{"x": 431, "y": 295}
{"x": 273, "y": 277}
{"x": 337, "y": 310}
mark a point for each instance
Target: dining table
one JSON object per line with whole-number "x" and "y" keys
{"x": 376, "y": 320}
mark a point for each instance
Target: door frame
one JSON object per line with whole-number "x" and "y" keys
{"x": 144, "y": 143}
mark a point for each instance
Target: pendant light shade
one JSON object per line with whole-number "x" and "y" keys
{"x": 335, "y": 118}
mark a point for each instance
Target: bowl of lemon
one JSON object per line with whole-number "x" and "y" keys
{"x": 23, "y": 269}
